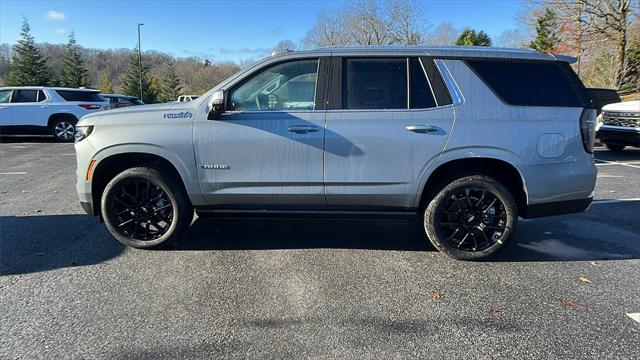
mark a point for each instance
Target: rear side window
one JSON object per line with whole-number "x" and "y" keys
{"x": 25, "y": 96}
{"x": 71, "y": 95}
{"x": 374, "y": 84}
{"x": 420, "y": 95}
{"x": 531, "y": 83}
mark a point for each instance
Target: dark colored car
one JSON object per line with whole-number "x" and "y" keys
{"x": 602, "y": 97}
{"x": 120, "y": 101}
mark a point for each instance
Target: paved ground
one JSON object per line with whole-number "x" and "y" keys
{"x": 309, "y": 289}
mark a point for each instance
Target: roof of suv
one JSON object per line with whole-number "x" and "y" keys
{"x": 48, "y": 88}
{"x": 437, "y": 51}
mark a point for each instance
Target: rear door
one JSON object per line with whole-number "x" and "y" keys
{"x": 388, "y": 120}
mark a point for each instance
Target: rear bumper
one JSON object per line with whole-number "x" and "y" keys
{"x": 557, "y": 208}
{"x": 617, "y": 136}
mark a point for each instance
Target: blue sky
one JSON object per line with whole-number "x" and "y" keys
{"x": 218, "y": 30}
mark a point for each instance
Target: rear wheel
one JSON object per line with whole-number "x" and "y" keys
{"x": 143, "y": 208}
{"x": 614, "y": 147}
{"x": 63, "y": 129}
{"x": 471, "y": 217}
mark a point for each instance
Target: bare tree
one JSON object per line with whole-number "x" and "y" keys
{"x": 444, "y": 34}
{"x": 329, "y": 30}
{"x": 595, "y": 21}
{"x": 513, "y": 38}
{"x": 370, "y": 22}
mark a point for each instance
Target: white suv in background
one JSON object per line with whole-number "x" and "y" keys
{"x": 46, "y": 110}
{"x": 185, "y": 98}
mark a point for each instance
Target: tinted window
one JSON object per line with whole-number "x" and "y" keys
{"x": 421, "y": 96}
{"x": 5, "y": 96}
{"x": 24, "y": 96}
{"x": 530, "y": 83}
{"x": 71, "y": 95}
{"x": 286, "y": 86}
{"x": 437, "y": 84}
{"x": 374, "y": 84}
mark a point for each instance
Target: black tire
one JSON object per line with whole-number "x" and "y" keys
{"x": 486, "y": 205}
{"x": 614, "y": 147}
{"x": 63, "y": 129}
{"x": 135, "y": 213}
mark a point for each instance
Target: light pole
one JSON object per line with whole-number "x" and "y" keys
{"x": 140, "y": 60}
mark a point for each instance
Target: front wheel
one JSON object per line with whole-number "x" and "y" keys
{"x": 471, "y": 218}
{"x": 142, "y": 208}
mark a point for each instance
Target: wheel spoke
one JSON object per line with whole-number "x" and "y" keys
{"x": 463, "y": 240}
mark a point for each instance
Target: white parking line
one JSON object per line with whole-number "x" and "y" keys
{"x": 606, "y": 162}
{"x": 14, "y": 173}
{"x": 609, "y": 176}
{"x": 634, "y": 316}
{"x": 614, "y": 201}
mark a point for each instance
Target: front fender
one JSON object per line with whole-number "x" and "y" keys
{"x": 185, "y": 170}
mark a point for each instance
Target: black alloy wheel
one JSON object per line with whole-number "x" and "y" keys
{"x": 471, "y": 217}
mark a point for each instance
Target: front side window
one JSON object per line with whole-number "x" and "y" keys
{"x": 283, "y": 87}
{"x": 25, "y": 96}
{"x": 374, "y": 83}
{"x": 5, "y": 96}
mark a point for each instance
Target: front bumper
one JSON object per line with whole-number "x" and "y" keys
{"x": 619, "y": 135}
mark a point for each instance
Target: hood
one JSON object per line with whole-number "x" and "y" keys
{"x": 631, "y": 106}
{"x": 140, "y": 113}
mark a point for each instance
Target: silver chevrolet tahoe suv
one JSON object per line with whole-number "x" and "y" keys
{"x": 465, "y": 139}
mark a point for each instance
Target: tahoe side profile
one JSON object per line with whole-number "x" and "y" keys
{"x": 466, "y": 139}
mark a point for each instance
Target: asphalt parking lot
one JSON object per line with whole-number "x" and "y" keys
{"x": 291, "y": 289}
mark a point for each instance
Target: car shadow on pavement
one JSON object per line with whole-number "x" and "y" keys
{"x": 628, "y": 154}
{"x": 603, "y": 233}
{"x": 9, "y": 139}
{"x": 39, "y": 243}
{"x": 272, "y": 234}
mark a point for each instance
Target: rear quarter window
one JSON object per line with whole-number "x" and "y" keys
{"x": 535, "y": 83}
{"x": 71, "y": 95}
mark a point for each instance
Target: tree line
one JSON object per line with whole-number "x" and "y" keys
{"x": 164, "y": 77}
{"x": 603, "y": 34}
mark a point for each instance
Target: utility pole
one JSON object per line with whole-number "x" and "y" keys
{"x": 140, "y": 60}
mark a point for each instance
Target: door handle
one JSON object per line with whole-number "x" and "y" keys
{"x": 303, "y": 129}
{"x": 44, "y": 106}
{"x": 422, "y": 128}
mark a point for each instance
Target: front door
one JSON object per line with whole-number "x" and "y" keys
{"x": 267, "y": 148}
{"x": 389, "y": 120}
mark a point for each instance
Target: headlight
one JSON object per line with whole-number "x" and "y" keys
{"x": 82, "y": 132}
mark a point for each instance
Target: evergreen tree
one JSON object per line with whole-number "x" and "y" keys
{"x": 106, "y": 84}
{"x": 169, "y": 84}
{"x": 547, "y": 29}
{"x": 470, "y": 37}
{"x": 131, "y": 81}
{"x": 154, "y": 89}
{"x": 74, "y": 73}
{"x": 28, "y": 65}
{"x": 631, "y": 78}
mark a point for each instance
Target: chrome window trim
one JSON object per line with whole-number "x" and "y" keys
{"x": 456, "y": 95}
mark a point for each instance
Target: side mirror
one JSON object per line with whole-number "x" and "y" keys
{"x": 216, "y": 105}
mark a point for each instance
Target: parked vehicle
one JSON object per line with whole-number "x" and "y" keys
{"x": 466, "y": 139}
{"x": 185, "y": 98}
{"x": 119, "y": 101}
{"x": 620, "y": 125}
{"x": 602, "y": 97}
{"x": 46, "y": 110}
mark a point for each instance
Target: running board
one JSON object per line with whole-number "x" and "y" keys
{"x": 308, "y": 214}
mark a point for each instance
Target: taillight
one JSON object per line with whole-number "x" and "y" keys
{"x": 587, "y": 129}
{"x": 90, "y": 106}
